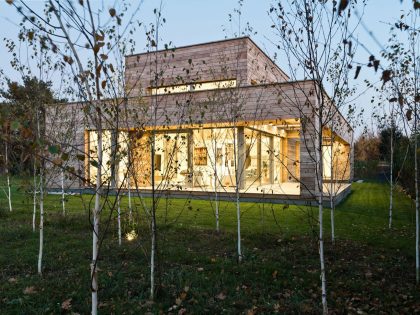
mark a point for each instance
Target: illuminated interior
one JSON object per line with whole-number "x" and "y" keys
{"x": 191, "y": 87}
{"x": 260, "y": 158}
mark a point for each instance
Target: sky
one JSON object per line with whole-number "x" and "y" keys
{"x": 196, "y": 21}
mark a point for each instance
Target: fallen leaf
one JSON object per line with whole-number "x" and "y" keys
{"x": 29, "y": 290}
{"x": 12, "y": 280}
{"x": 221, "y": 296}
{"x": 66, "y": 305}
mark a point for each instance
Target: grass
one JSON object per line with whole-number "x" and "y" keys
{"x": 370, "y": 269}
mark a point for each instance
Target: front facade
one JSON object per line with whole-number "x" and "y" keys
{"x": 217, "y": 116}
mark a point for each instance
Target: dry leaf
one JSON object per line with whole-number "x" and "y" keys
{"x": 183, "y": 295}
{"x": 66, "y": 305}
{"x": 221, "y": 296}
{"x": 29, "y": 290}
{"x": 12, "y": 280}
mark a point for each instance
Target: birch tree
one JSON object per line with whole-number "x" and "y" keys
{"x": 312, "y": 34}
{"x": 76, "y": 32}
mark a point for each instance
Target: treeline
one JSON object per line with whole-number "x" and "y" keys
{"x": 372, "y": 158}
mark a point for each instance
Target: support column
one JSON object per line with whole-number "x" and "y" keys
{"x": 241, "y": 149}
{"x": 190, "y": 153}
{"x": 271, "y": 160}
{"x": 114, "y": 165}
{"x": 259, "y": 170}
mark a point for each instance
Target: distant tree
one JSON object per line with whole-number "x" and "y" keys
{"x": 22, "y": 101}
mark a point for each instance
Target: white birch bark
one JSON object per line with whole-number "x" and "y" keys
{"x": 95, "y": 234}
{"x": 238, "y": 200}
{"x": 332, "y": 192}
{"x": 153, "y": 222}
{"x": 416, "y": 180}
{"x": 119, "y": 218}
{"x": 130, "y": 209}
{"x": 41, "y": 220}
{"x": 63, "y": 201}
{"x": 9, "y": 194}
{"x": 321, "y": 209}
{"x": 34, "y": 201}
{"x": 216, "y": 195}
{"x": 41, "y": 205}
{"x": 391, "y": 179}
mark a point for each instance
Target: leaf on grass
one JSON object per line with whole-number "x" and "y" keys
{"x": 29, "y": 290}
{"x": 66, "y": 305}
{"x": 221, "y": 296}
{"x": 182, "y": 311}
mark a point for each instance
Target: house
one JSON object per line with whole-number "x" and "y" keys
{"x": 216, "y": 116}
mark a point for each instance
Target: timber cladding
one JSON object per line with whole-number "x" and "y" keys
{"x": 263, "y": 94}
{"x": 238, "y": 59}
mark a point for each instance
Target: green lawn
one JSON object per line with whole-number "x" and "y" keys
{"x": 370, "y": 269}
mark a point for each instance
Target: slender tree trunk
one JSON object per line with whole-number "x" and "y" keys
{"x": 153, "y": 221}
{"x": 130, "y": 208}
{"x": 321, "y": 212}
{"x": 216, "y": 195}
{"x": 130, "y": 164}
{"x": 416, "y": 179}
{"x": 35, "y": 188}
{"x": 96, "y": 215}
{"x": 41, "y": 219}
{"x": 238, "y": 200}
{"x": 119, "y": 218}
{"x": 41, "y": 206}
{"x": 332, "y": 188}
{"x": 391, "y": 179}
{"x": 9, "y": 194}
{"x": 63, "y": 200}
{"x": 238, "y": 219}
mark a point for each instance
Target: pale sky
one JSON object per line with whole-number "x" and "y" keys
{"x": 197, "y": 21}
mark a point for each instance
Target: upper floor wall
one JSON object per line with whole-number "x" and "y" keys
{"x": 238, "y": 59}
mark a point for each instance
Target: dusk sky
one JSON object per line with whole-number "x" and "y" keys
{"x": 195, "y": 21}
